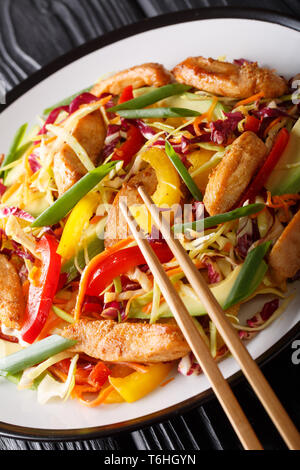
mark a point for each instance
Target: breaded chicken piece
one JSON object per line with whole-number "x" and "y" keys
{"x": 116, "y": 227}
{"x": 231, "y": 177}
{"x": 150, "y": 74}
{"x": 284, "y": 258}
{"x": 90, "y": 132}
{"x": 12, "y": 302}
{"x": 129, "y": 341}
{"x": 226, "y": 79}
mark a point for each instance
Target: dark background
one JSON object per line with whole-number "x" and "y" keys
{"x": 32, "y": 34}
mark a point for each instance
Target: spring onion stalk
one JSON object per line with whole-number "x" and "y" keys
{"x": 152, "y": 97}
{"x": 11, "y": 155}
{"x": 214, "y": 220}
{"x": 160, "y": 113}
{"x": 34, "y": 354}
{"x": 69, "y": 199}
{"x": 62, "y": 314}
{"x": 183, "y": 172}
{"x": 66, "y": 101}
{"x": 250, "y": 276}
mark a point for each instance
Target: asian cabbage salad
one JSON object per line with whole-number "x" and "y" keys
{"x": 217, "y": 145}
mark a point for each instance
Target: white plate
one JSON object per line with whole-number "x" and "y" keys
{"x": 272, "y": 45}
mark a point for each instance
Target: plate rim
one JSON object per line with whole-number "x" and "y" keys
{"x": 168, "y": 19}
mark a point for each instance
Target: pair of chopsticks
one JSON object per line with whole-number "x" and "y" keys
{"x": 249, "y": 367}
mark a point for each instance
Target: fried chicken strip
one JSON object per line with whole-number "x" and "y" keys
{"x": 129, "y": 341}
{"x": 12, "y": 302}
{"x": 150, "y": 74}
{"x": 227, "y": 79}
{"x": 90, "y": 132}
{"x": 284, "y": 259}
{"x": 231, "y": 177}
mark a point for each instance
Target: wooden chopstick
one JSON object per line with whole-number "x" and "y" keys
{"x": 221, "y": 388}
{"x": 249, "y": 367}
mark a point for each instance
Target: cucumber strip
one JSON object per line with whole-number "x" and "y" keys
{"x": 250, "y": 276}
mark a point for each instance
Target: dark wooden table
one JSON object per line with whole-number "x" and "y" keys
{"x": 34, "y": 32}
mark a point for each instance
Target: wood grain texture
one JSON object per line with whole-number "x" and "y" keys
{"x": 34, "y": 32}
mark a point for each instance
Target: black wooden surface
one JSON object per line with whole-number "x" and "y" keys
{"x": 34, "y": 32}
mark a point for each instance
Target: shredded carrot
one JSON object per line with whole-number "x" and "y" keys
{"x": 167, "y": 382}
{"x": 10, "y": 191}
{"x": 58, "y": 231}
{"x": 99, "y": 400}
{"x": 59, "y": 374}
{"x": 95, "y": 219}
{"x": 52, "y": 322}
{"x": 89, "y": 269}
{"x": 227, "y": 247}
{"x": 284, "y": 201}
{"x": 78, "y": 390}
{"x": 138, "y": 367}
{"x": 198, "y": 121}
{"x": 252, "y": 98}
{"x": 173, "y": 271}
{"x": 272, "y": 124}
{"x": 212, "y": 107}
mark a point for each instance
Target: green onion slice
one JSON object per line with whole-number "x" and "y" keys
{"x": 67, "y": 201}
{"x": 160, "y": 113}
{"x": 214, "y": 220}
{"x": 152, "y": 97}
{"x": 34, "y": 354}
{"x": 250, "y": 276}
{"x": 183, "y": 172}
{"x": 11, "y": 155}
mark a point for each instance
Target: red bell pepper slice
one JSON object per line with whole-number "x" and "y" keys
{"x": 130, "y": 147}
{"x": 269, "y": 165}
{"x": 120, "y": 263}
{"x": 40, "y": 297}
{"x": 252, "y": 124}
{"x": 126, "y": 95}
{"x": 99, "y": 375}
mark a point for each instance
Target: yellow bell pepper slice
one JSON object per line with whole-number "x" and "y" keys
{"x": 197, "y": 159}
{"x": 76, "y": 223}
{"x": 135, "y": 386}
{"x": 168, "y": 188}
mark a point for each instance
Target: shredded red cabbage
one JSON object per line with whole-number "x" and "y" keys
{"x": 221, "y": 129}
{"x": 188, "y": 365}
{"x": 267, "y": 311}
{"x": 3, "y": 188}
{"x": 15, "y": 211}
{"x": 113, "y": 138}
{"x": 213, "y": 271}
{"x": 21, "y": 253}
{"x": 84, "y": 98}
{"x": 111, "y": 310}
{"x": 145, "y": 130}
{"x": 33, "y": 163}
{"x": 247, "y": 234}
